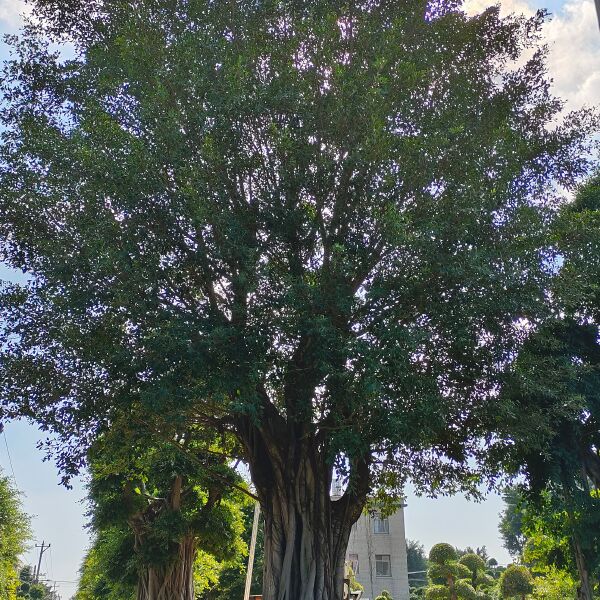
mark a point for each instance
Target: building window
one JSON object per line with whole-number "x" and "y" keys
{"x": 383, "y": 565}
{"x": 353, "y": 560}
{"x": 381, "y": 525}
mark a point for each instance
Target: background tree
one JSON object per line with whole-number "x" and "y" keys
{"x": 164, "y": 522}
{"x": 552, "y": 391}
{"x": 448, "y": 577}
{"x": 546, "y": 532}
{"x": 479, "y": 579}
{"x": 14, "y": 536}
{"x": 28, "y": 589}
{"x": 417, "y": 563}
{"x": 311, "y": 225}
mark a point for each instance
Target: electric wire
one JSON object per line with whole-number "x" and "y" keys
{"x": 10, "y": 459}
{"x": 51, "y": 564}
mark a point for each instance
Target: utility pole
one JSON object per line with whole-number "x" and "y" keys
{"x": 43, "y": 549}
{"x": 598, "y": 9}
{"x": 251, "y": 552}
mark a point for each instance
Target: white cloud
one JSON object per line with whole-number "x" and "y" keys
{"x": 574, "y": 62}
{"x": 573, "y": 39}
{"x": 507, "y": 6}
{"x": 10, "y": 13}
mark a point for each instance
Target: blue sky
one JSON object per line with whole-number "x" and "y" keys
{"x": 58, "y": 514}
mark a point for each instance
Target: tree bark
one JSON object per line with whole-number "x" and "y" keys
{"x": 585, "y": 586}
{"x": 450, "y": 581}
{"x": 173, "y": 582}
{"x": 306, "y": 532}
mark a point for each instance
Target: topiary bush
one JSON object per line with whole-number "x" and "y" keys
{"x": 465, "y": 590}
{"x": 442, "y": 554}
{"x": 473, "y": 562}
{"x": 437, "y": 592}
{"x": 516, "y": 582}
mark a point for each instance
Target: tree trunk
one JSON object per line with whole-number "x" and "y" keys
{"x": 306, "y": 532}
{"x": 585, "y": 587}
{"x": 174, "y": 582}
{"x": 450, "y": 581}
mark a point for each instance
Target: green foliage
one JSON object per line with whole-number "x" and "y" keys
{"x": 555, "y": 584}
{"x": 440, "y": 573}
{"x": 483, "y": 580}
{"x": 465, "y": 575}
{"x": 516, "y": 581}
{"x": 437, "y": 592}
{"x": 385, "y": 595}
{"x": 511, "y": 521}
{"x": 140, "y": 516}
{"x": 577, "y": 235}
{"x": 28, "y": 589}
{"x": 473, "y": 562}
{"x": 552, "y": 393}
{"x": 442, "y": 554}
{"x": 465, "y": 590}
{"x": 417, "y": 593}
{"x": 232, "y": 576}
{"x": 109, "y": 569}
{"x": 546, "y": 530}
{"x": 14, "y": 535}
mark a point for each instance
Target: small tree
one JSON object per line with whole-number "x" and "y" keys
{"x": 479, "y": 579}
{"x": 516, "y": 582}
{"x": 449, "y": 577}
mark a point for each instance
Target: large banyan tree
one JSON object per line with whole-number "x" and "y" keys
{"x": 315, "y": 226}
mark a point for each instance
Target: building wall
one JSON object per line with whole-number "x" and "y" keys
{"x": 365, "y": 545}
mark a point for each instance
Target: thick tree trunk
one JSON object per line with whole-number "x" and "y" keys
{"x": 304, "y": 544}
{"x": 306, "y": 532}
{"x": 175, "y": 582}
{"x": 585, "y": 586}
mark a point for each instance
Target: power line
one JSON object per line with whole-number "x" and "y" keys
{"x": 9, "y": 458}
{"x": 51, "y": 564}
{"x": 47, "y": 567}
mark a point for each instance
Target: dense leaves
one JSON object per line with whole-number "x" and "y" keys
{"x": 157, "y": 511}
{"x": 551, "y": 426}
{"x": 516, "y": 582}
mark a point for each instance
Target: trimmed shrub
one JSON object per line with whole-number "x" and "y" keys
{"x": 442, "y": 554}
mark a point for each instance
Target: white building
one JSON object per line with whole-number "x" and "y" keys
{"x": 377, "y": 554}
